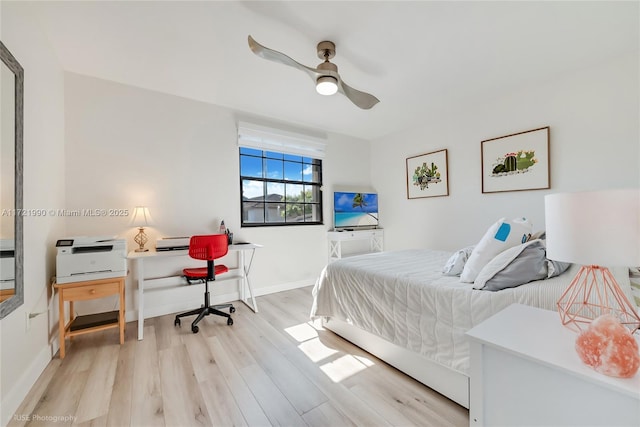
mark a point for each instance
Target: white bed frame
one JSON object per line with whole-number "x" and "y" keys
{"x": 442, "y": 379}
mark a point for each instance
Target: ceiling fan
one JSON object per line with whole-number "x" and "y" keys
{"x": 326, "y": 75}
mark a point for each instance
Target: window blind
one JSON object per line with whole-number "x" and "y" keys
{"x": 270, "y": 139}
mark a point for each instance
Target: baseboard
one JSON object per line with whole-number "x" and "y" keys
{"x": 12, "y": 400}
{"x": 178, "y": 306}
{"x": 284, "y": 287}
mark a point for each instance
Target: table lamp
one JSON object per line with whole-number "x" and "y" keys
{"x": 594, "y": 229}
{"x": 141, "y": 219}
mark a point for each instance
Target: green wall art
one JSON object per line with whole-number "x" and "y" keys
{"x": 516, "y": 162}
{"x": 427, "y": 175}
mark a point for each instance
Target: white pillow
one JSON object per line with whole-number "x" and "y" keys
{"x": 499, "y": 237}
{"x": 456, "y": 262}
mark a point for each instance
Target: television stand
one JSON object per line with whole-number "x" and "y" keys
{"x": 336, "y": 239}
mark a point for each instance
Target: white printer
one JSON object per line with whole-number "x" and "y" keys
{"x": 90, "y": 258}
{"x": 7, "y": 264}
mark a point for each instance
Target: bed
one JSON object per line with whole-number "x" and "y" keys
{"x": 401, "y": 308}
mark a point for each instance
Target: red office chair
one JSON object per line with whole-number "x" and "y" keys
{"x": 207, "y": 248}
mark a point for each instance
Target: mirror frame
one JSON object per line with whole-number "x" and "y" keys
{"x": 7, "y": 306}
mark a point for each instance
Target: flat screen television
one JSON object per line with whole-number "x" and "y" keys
{"x": 355, "y": 210}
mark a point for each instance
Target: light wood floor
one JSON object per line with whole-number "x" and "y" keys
{"x": 270, "y": 368}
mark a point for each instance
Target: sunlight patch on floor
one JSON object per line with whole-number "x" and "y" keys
{"x": 342, "y": 368}
{"x": 302, "y": 332}
{"x": 307, "y": 335}
{"x": 337, "y": 367}
{"x": 315, "y": 350}
{"x": 367, "y": 361}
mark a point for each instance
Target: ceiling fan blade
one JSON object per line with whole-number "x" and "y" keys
{"x": 361, "y": 99}
{"x": 275, "y": 56}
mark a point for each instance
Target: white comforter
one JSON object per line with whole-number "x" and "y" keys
{"x": 404, "y": 298}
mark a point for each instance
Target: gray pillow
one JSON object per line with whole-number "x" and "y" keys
{"x": 513, "y": 267}
{"x": 556, "y": 268}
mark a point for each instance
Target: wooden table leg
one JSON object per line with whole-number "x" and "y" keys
{"x": 72, "y": 315}
{"x": 121, "y": 321}
{"x": 61, "y": 322}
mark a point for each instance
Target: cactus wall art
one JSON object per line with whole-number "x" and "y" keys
{"x": 516, "y": 162}
{"x": 427, "y": 175}
{"x": 511, "y": 163}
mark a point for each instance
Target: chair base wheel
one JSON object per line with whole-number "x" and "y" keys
{"x": 229, "y": 321}
{"x": 195, "y": 329}
{"x": 176, "y": 322}
{"x": 232, "y": 309}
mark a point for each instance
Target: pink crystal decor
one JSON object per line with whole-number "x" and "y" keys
{"x": 609, "y": 348}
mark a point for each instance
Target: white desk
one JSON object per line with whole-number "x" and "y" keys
{"x": 241, "y": 274}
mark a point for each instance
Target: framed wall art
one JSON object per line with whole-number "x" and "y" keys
{"x": 427, "y": 175}
{"x": 516, "y": 162}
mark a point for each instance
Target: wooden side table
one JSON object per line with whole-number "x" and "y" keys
{"x": 88, "y": 290}
{"x": 5, "y": 294}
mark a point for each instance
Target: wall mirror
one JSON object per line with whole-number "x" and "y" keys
{"x": 11, "y": 230}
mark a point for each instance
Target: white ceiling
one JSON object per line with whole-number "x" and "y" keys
{"x": 417, "y": 57}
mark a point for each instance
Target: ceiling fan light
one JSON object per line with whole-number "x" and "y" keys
{"x": 326, "y": 85}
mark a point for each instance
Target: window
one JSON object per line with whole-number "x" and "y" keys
{"x": 282, "y": 187}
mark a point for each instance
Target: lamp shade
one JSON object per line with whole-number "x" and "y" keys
{"x": 141, "y": 217}
{"x": 594, "y": 228}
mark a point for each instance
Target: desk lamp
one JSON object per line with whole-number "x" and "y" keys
{"x": 594, "y": 229}
{"x": 141, "y": 219}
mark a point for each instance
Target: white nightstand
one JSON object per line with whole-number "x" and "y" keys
{"x": 525, "y": 371}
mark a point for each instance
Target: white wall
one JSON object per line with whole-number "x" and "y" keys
{"x": 24, "y": 354}
{"x": 126, "y": 146}
{"x": 594, "y": 144}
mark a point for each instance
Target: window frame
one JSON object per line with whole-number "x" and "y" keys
{"x": 284, "y": 157}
